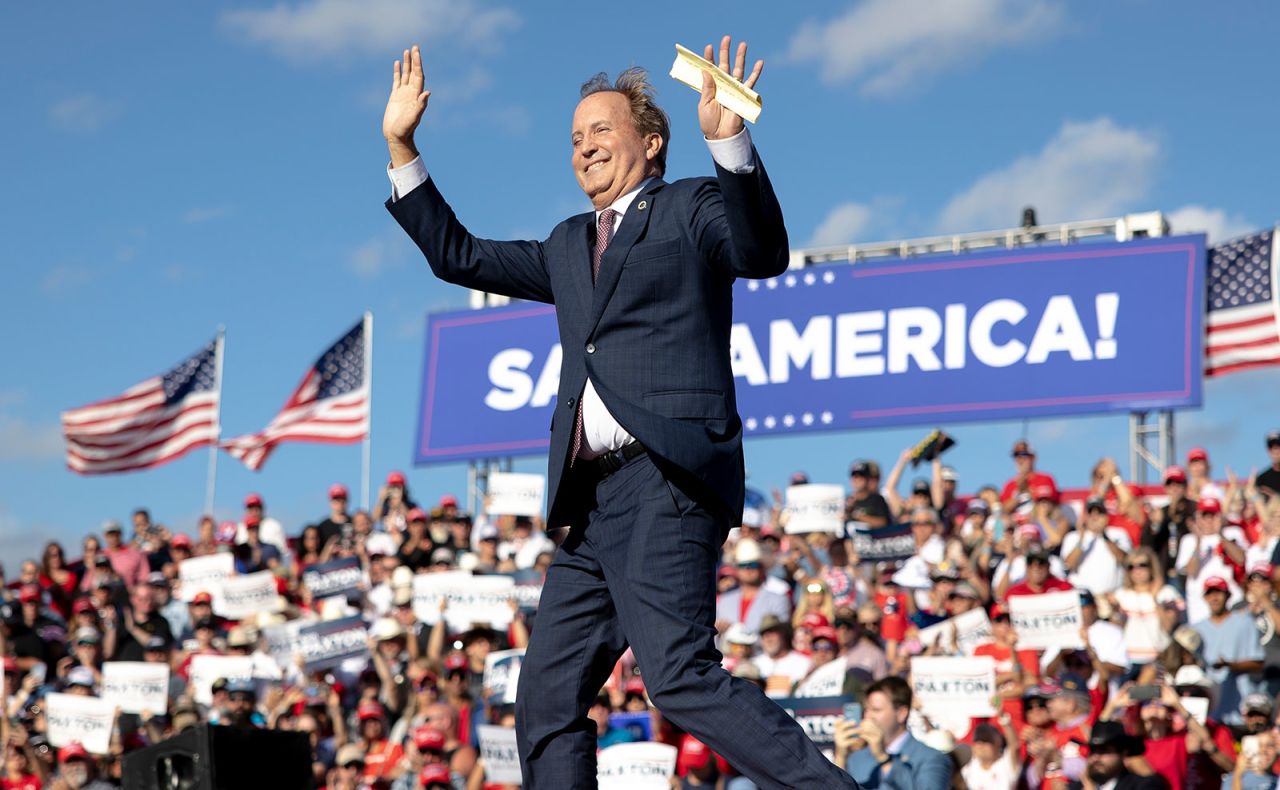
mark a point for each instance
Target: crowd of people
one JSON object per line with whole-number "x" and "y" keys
{"x": 1175, "y": 686}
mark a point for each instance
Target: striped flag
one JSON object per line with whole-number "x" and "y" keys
{"x": 330, "y": 406}
{"x": 1242, "y": 305}
{"x": 151, "y": 423}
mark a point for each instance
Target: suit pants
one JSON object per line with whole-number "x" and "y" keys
{"x": 641, "y": 571}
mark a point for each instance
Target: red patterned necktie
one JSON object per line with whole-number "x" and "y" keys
{"x": 604, "y": 232}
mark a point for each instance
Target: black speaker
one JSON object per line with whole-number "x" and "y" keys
{"x": 221, "y": 758}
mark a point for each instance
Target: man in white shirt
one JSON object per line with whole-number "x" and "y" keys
{"x": 1204, "y": 553}
{"x": 1094, "y": 553}
{"x": 776, "y": 658}
{"x": 269, "y": 530}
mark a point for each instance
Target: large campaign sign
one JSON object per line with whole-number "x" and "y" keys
{"x": 995, "y": 334}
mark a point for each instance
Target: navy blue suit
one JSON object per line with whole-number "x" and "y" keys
{"x": 638, "y": 565}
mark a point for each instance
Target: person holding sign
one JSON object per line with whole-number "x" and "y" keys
{"x": 643, "y": 294}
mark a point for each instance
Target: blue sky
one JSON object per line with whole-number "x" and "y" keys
{"x": 170, "y": 168}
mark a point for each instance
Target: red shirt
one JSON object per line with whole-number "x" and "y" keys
{"x": 1034, "y": 479}
{"x": 1003, "y": 655}
{"x": 1167, "y": 756}
{"x": 1051, "y": 584}
{"x": 381, "y": 758}
{"x": 24, "y": 782}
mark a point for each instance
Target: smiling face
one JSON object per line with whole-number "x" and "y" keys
{"x": 610, "y": 158}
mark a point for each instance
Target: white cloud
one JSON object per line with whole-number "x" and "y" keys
{"x": 1086, "y": 171}
{"x": 1213, "y": 221}
{"x": 23, "y": 441}
{"x": 886, "y": 45}
{"x": 82, "y": 113}
{"x": 65, "y": 278}
{"x": 376, "y": 255}
{"x": 844, "y": 224}
{"x": 318, "y": 29}
{"x": 199, "y": 214}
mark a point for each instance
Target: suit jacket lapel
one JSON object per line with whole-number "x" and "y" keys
{"x": 580, "y": 261}
{"x": 632, "y": 228}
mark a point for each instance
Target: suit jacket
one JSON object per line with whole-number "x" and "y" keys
{"x": 914, "y": 767}
{"x": 653, "y": 331}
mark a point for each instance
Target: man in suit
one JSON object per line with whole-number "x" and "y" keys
{"x": 879, "y": 752}
{"x": 645, "y": 464}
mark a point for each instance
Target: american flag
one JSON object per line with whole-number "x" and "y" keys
{"x": 1242, "y": 305}
{"x": 151, "y": 423}
{"x": 330, "y": 406}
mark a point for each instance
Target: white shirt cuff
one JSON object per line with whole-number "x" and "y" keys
{"x": 732, "y": 153}
{"x": 406, "y": 178}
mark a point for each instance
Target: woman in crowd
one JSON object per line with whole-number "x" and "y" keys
{"x": 57, "y": 579}
{"x": 1140, "y": 603}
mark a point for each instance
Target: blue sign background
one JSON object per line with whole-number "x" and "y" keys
{"x": 489, "y": 376}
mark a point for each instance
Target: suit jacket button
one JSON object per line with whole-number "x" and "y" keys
{"x": 591, "y": 348}
{"x": 569, "y": 403}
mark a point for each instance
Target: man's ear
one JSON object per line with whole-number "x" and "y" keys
{"x": 652, "y": 145}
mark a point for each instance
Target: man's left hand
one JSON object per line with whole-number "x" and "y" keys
{"x": 717, "y": 122}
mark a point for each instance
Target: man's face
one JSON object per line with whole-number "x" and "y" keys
{"x": 1024, "y": 462}
{"x": 1037, "y": 571}
{"x": 610, "y": 158}
{"x": 1176, "y": 489}
{"x": 772, "y": 642}
{"x": 1105, "y": 763}
{"x": 1210, "y": 523}
{"x": 140, "y": 522}
{"x": 338, "y": 504}
{"x": 253, "y": 512}
{"x": 1273, "y": 452}
{"x": 1217, "y": 601}
{"x": 881, "y": 712}
{"x": 749, "y": 574}
{"x": 1198, "y": 468}
{"x": 858, "y": 483}
{"x": 113, "y": 538}
{"x": 1063, "y": 708}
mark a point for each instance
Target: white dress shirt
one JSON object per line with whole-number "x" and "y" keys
{"x": 602, "y": 431}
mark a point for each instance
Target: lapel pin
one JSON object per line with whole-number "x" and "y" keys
{"x": 642, "y": 205}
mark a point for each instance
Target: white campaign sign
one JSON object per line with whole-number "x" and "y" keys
{"x": 954, "y": 685}
{"x": 501, "y": 671}
{"x": 636, "y": 766}
{"x": 967, "y": 630}
{"x": 245, "y": 596}
{"x": 472, "y": 599}
{"x": 501, "y": 758}
{"x": 515, "y": 494}
{"x": 207, "y": 668}
{"x": 815, "y": 508}
{"x": 205, "y": 574}
{"x": 88, "y": 720}
{"x": 825, "y": 681}
{"x": 136, "y": 686}
{"x": 1047, "y": 620}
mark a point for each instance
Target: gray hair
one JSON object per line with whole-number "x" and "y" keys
{"x": 648, "y": 117}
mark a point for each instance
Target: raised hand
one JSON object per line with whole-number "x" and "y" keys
{"x": 405, "y": 106}
{"x": 718, "y": 123}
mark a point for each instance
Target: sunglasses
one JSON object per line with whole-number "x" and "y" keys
{"x": 825, "y": 646}
{"x": 1032, "y": 704}
{"x": 1136, "y": 565}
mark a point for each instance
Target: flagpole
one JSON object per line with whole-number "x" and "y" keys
{"x": 211, "y": 481}
{"x": 368, "y": 433}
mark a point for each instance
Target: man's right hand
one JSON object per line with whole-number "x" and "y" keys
{"x": 404, "y": 108}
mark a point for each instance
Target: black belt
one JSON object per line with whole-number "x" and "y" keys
{"x": 611, "y": 462}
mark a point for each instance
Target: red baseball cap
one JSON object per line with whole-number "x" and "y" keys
{"x": 1175, "y": 474}
{"x": 370, "y": 710}
{"x": 202, "y": 597}
{"x": 82, "y": 605}
{"x": 417, "y": 514}
{"x": 1197, "y": 454}
{"x": 694, "y": 754}
{"x": 1044, "y": 491}
{"x": 253, "y": 500}
{"x": 395, "y": 479}
{"x": 29, "y": 593}
{"x": 1216, "y": 583}
{"x": 1262, "y": 568}
{"x": 10, "y": 664}
{"x": 814, "y": 620}
{"x": 337, "y": 491}
{"x": 428, "y": 738}
{"x": 455, "y": 661}
{"x": 448, "y": 500}
{"x": 1209, "y": 505}
{"x": 437, "y": 773}
{"x": 252, "y": 520}
{"x": 633, "y": 686}
{"x": 73, "y": 751}
{"x": 826, "y": 632}
{"x": 180, "y": 541}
